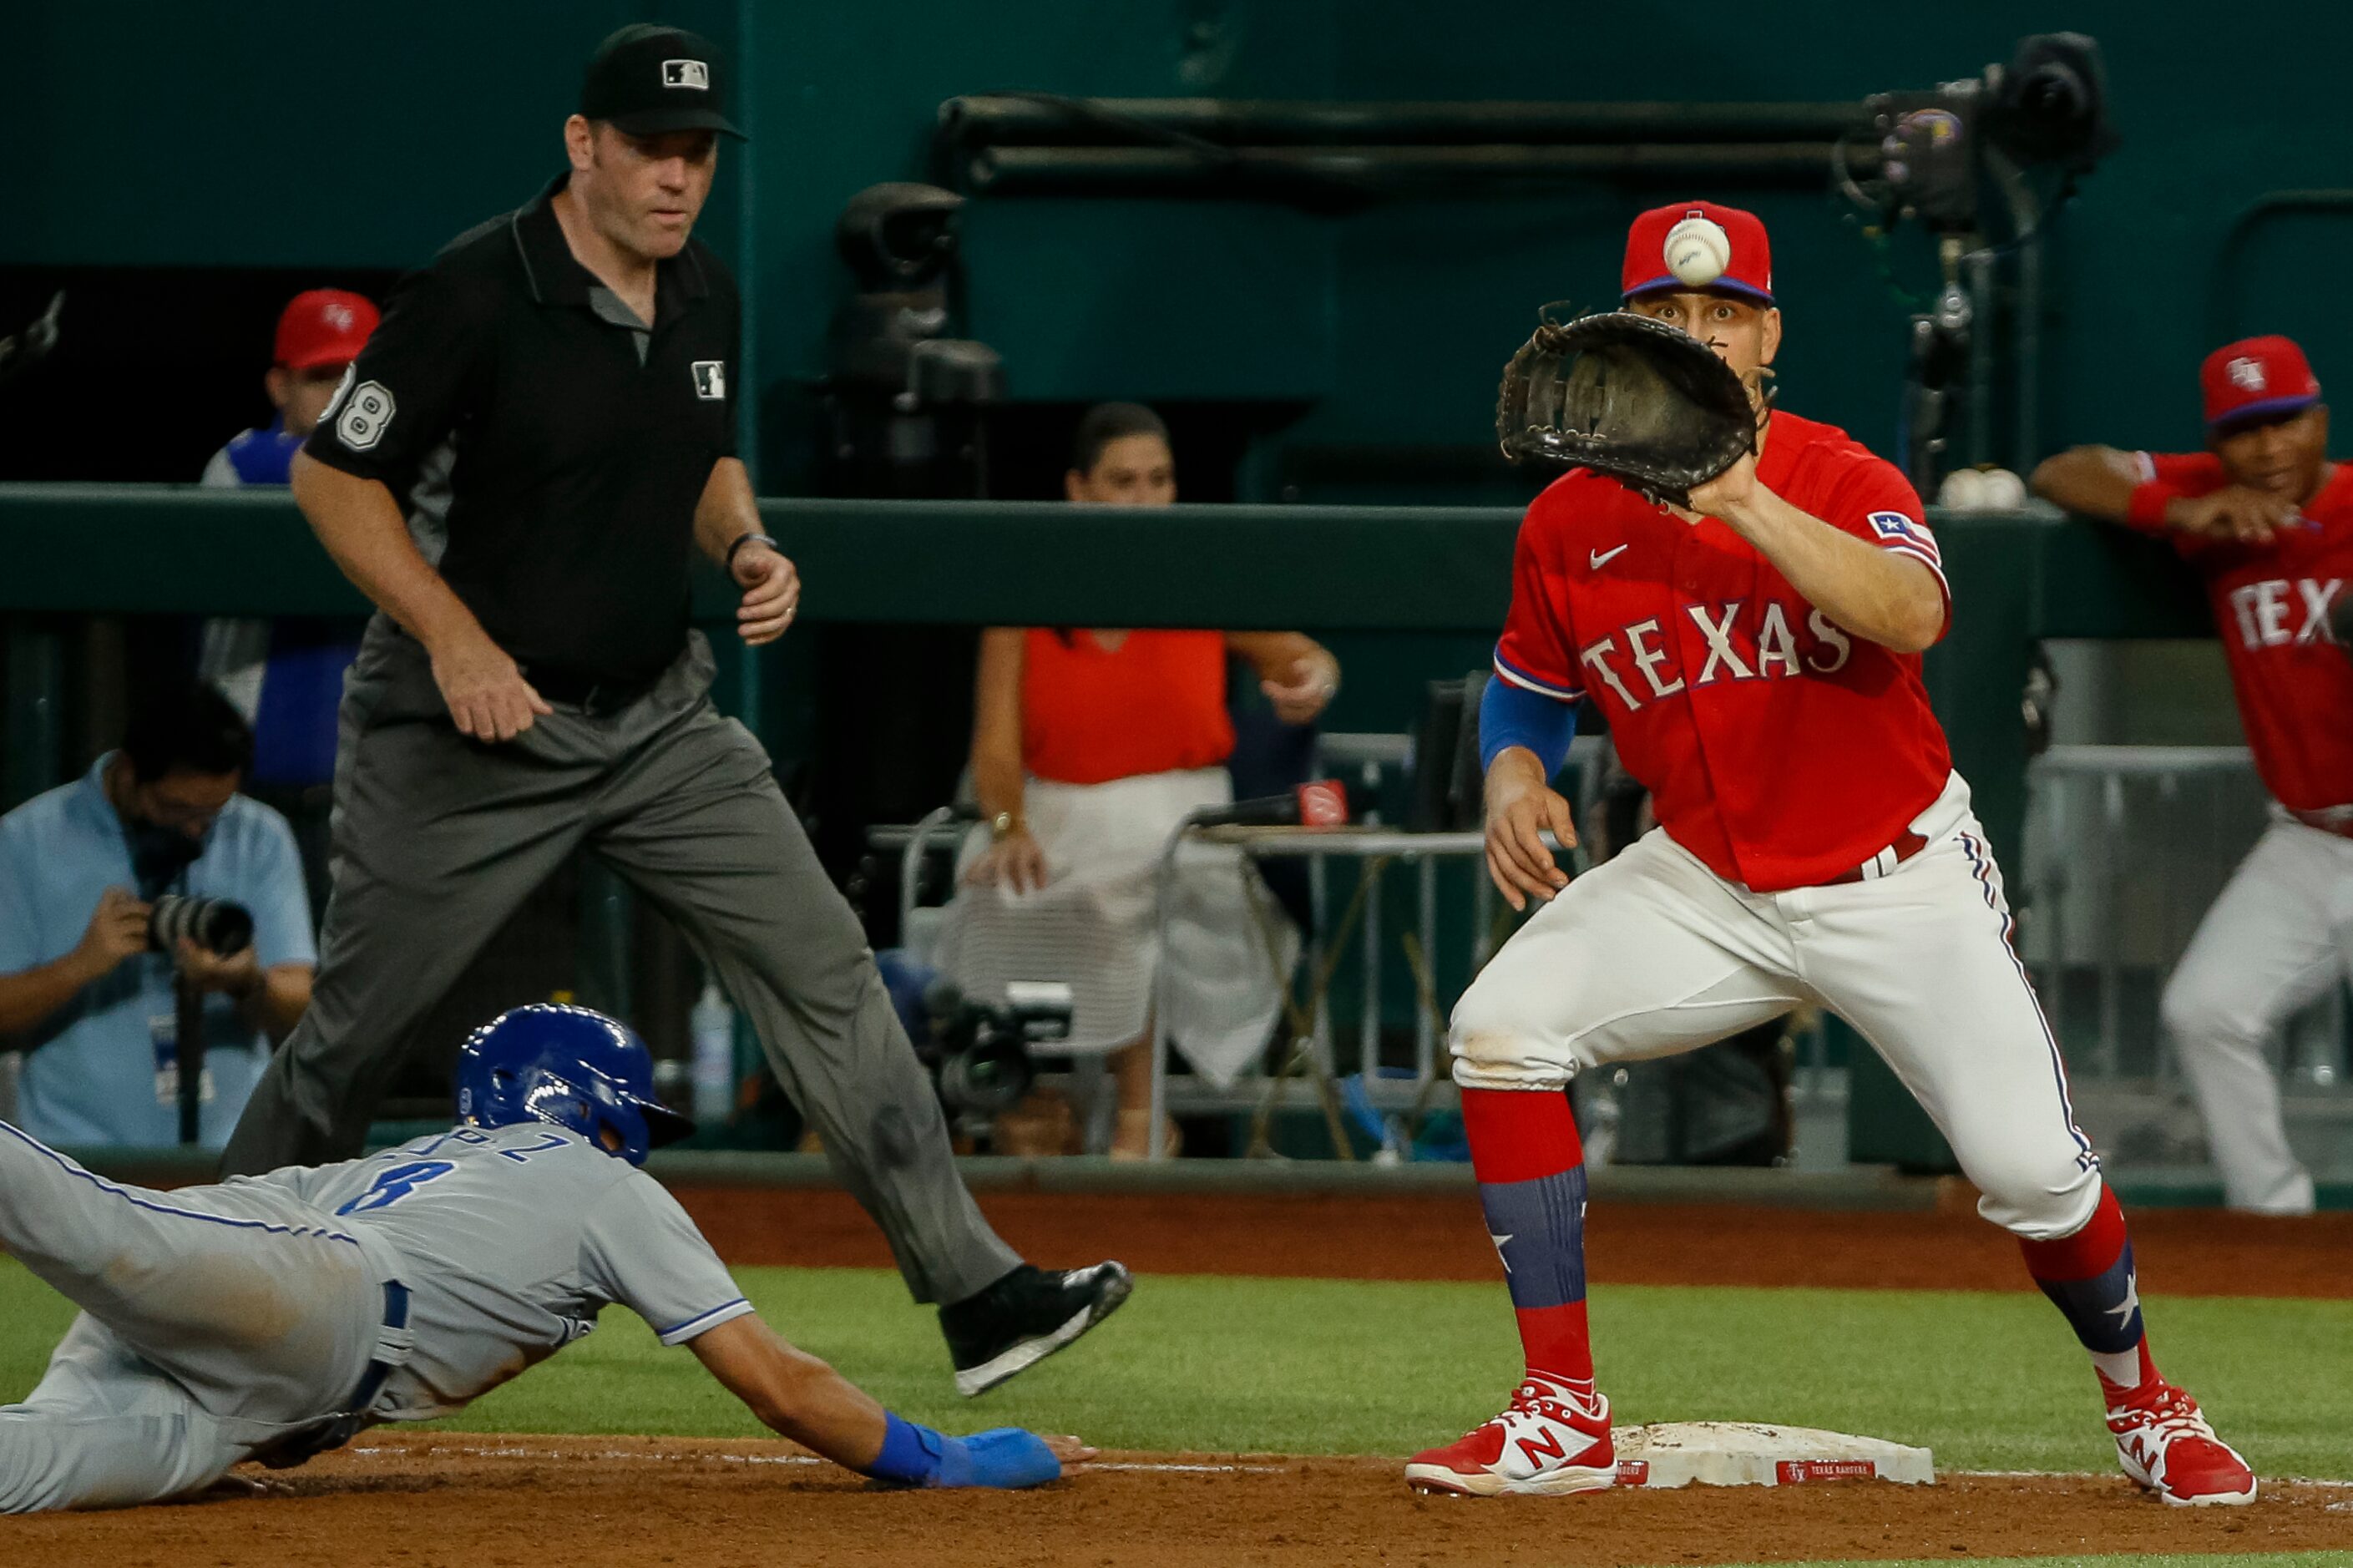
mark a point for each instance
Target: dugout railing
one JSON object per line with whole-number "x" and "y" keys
{"x": 2125, "y": 847}
{"x": 73, "y": 551}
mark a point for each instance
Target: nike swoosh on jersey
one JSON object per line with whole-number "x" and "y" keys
{"x": 1603, "y": 557}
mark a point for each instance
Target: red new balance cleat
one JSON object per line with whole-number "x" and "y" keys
{"x": 1550, "y": 1440}
{"x": 2165, "y": 1445}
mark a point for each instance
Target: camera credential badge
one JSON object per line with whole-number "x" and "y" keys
{"x": 163, "y": 1030}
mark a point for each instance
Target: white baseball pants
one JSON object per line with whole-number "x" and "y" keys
{"x": 2279, "y": 936}
{"x": 1651, "y": 953}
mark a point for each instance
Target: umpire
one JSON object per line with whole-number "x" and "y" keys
{"x": 559, "y": 385}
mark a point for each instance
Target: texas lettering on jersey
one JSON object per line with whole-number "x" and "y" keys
{"x": 1778, "y": 747}
{"x": 1736, "y": 651}
{"x": 2261, "y": 611}
{"x": 2271, "y": 603}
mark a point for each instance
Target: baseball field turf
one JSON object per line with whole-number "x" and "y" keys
{"x": 1199, "y": 1376}
{"x": 1341, "y": 1367}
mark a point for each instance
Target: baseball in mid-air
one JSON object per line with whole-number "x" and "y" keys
{"x": 1697, "y": 251}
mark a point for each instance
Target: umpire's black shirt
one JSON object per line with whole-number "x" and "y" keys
{"x": 580, "y": 441}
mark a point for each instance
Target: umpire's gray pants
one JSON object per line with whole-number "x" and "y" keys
{"x": 438, "y": 838}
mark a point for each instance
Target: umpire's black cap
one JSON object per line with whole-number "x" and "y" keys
{"x": 648, "y": 78}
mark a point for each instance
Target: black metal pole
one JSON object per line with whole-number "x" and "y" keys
{"x": 1006, "y": 170}
{"x": 188, "y": 1048}
{"x": 1035, "y": 120}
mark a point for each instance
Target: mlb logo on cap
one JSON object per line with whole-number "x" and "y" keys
{"x": 686, "y": 73}
{"x": 2256, "y": 379}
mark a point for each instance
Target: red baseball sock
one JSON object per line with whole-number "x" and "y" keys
{"x": 2092, "y": 1278}
{"x": 1531, "y": 1169}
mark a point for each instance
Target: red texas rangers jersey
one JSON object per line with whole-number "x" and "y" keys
{"x": 2271, "y": 610}
{"x": 1782, "y": 748}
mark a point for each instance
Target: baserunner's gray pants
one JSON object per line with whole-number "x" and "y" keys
{"x": 438, "y": 838}
{"x": 216, "y": 1321}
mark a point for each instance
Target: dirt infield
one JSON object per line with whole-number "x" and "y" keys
{"x": 420, "y": 1501}
{"x": 416, "y": 1499}
{"x": 2188, "y": 1252}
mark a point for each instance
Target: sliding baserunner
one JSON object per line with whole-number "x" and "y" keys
{"x": 272, "y": 1317}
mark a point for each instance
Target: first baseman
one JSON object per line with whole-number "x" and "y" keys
{"x": 2267, "y": 520}
{"x": 555, "y": 399}
{"x": 1757, "y": 657}
{"x": 275, "y": 1316}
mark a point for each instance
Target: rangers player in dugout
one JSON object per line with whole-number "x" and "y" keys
{"x": 1757, "y": 656}
{"x": 570, "y": 367}
{"x": 2267, "y": 520}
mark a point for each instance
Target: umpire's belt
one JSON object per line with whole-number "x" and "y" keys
{"x": 587, "y": 689}
{"x": 306, "y": 1443}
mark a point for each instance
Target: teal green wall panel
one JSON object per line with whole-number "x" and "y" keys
{"x": 220, "y": 137}
{"x": 1090, "y": 300}
{"x": 156, "y": 134}
{"x": 847, "y": 96}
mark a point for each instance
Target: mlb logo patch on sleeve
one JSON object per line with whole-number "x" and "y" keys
{"x": 711, "y": 380}
{"x": 1894, "y": 528}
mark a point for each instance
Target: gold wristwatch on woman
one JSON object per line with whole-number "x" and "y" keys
{"x": 1003, "y": 826}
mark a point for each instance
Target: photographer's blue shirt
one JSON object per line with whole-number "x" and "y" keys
{"x": 102, "y": 1068}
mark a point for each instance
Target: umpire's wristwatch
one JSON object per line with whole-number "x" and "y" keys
{"x": 743, "y": 539}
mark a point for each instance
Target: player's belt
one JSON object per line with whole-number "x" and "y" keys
{"x": 396, "y": 1318}
{"x": 1883, "y": 862}
{"x": 2336, "y": 819}
{"x": 304, "y": 1443}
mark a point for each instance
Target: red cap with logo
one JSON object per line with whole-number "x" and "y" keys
{"x": 2256, "y": 378}
{"x": 323, "y": 327}
{"x": 1748, "y": 274}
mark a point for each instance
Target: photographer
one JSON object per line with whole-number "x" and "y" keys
{"x": 89, "y": 987}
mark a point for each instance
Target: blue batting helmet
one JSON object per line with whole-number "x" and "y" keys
{"x": 568, "y": 1067}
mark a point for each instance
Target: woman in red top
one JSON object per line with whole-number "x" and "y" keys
{"x": 1089, "y": 748}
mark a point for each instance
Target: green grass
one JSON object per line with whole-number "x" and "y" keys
{"x": 1989, "y": 1381}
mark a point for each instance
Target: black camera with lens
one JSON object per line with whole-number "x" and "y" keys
{"x": 219, "y": 926}
{"x": 980, "y": 1051}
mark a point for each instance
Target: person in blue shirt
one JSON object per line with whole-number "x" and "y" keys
{"x": 83, "y": 995}
{"x": 286, "y": 677}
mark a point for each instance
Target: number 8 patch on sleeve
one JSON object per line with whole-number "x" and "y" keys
{"x": 367, "y": 413}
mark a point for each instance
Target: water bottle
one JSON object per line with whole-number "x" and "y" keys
{"x": 711, "y": 1026}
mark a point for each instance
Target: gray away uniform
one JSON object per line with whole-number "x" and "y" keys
{"x": 247, "y": 1319}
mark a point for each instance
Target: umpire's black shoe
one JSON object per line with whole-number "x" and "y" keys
{"x": 1026, "y": 1317}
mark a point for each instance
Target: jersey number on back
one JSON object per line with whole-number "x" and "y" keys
{"x": 397, "y": 1184}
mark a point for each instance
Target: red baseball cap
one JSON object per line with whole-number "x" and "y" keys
{"x": 324, "y": 326}
{"x": 1749, "y": 274}
{"x": 2254, "y": 378}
